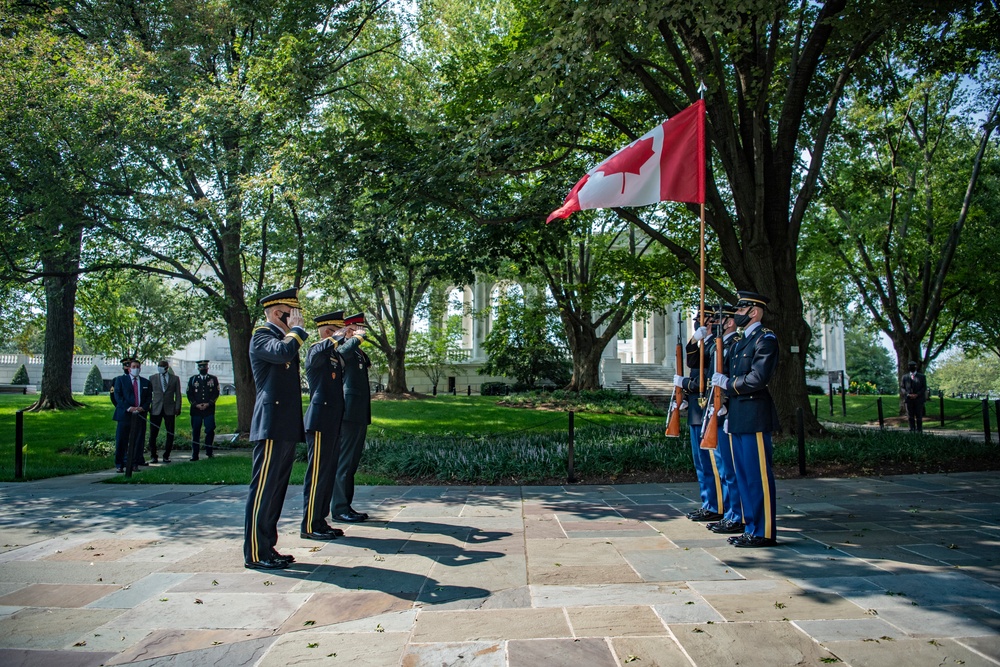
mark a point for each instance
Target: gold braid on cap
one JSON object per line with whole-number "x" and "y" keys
{"x": 294, "y": 303}
{"x": 334, "y": 323}
{"x": 763, "y": 303}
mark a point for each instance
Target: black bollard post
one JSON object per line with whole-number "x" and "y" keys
{"x": 19, "y": 444}
{"x": 831, "y": 397}
{"x": 469, "y": 391}
{"x": 570, "y": 472}
{"x": 881, "y": 415}
{"x": 987, "y": 438}
{"x": 628, "y": 389}
{"x": 434, "y": 391}
{"x": 996, "y": 409}
{"x": 843, "y": 399}
{"x": 941, "y": 406}
{"x": 801, "y": 428}
{"x": 816, "y": 408}
{"x": 130, "y": 457}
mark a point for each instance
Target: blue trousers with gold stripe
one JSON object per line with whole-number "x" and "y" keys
{"x": 272, "y": 465}
{"x": 321, "y": 471}
{"x": 732, "y": 506}
{"x": 755, "y": 478}
{"x": 709, "y": 482}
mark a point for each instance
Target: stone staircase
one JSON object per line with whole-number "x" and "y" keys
{"x": 651, "y": 380}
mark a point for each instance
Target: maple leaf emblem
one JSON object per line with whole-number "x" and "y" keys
{"x": 628, "y": 160}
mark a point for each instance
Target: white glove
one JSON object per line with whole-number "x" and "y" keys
{"x": 720, "y": 380}
{"x": 700, "y": 333}
{"x": 725, "y": 426}
{"x": 679, "y": 381}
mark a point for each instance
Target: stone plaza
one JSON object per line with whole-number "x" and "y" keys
{"x": 898, "y": 570}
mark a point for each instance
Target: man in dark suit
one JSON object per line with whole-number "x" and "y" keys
{"x": 275, "y": 427}
{"x": 913, "y": 386}
{"x": 325, "y": 373}
{"x": 164, "y": 407}
{"x": 357, "y": 417}
{"x": 751, "y": 419}
{"x": 131, "y": 397}
{"x": 709, "y": 481}
{"x": 202, "y": 393}
{"x": 126, "y": 365}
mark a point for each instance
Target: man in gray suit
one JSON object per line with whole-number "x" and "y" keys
{"x": 357, "y": 417}
{"x": 165, "y": 406}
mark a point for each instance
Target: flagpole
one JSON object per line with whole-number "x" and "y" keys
{"x": 701, "y": 320}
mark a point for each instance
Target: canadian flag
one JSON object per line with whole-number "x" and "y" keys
{"x": 665, "y": 164}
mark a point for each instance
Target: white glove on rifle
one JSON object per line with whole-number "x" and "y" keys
{"x": 679, "y": 381}
{"x": 720, "y": 380}
{"x": 700, "y": 333}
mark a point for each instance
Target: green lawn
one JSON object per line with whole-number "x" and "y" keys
{"x": 960, "y": 414}
{"x": 49, "y": 435}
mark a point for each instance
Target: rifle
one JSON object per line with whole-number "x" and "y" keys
{"x": 674, "y": 414}
{"x": 710, "y": 424}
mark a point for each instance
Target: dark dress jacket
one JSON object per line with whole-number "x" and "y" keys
{"x": 274, "y": 360}
{"x": 915, "y": 385}
{"x": 357, "y": 390}
{"x": 126, "y": 397}
{"x": 752, "y": 361}
{"x": 325, "y": 373}
{"x": 692, "y": 383}
{"x": 203, "y": 389}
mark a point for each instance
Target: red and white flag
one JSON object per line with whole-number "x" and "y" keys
{"x": 665, "y": 164}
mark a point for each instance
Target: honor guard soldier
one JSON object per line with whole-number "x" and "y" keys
{"x": 751, "y": 419}
{"x": 357, "y": 417}
{"x": 325, "y": 373}
{"x": 709, "y": 483}
{"x": 732, "y": 506}
{"x": 202, "y": 393}
{"x": 913, "y": 386}
{"x": 276, "y": 425}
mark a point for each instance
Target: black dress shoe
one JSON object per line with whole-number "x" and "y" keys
{"x": 704, "y": 514}
{"x": 732, "y": 538}
{"x": 363, "y": 515}
{"x": 288, "y": 558}
{"x": 194, "y": 458}
{"x": 347, "y": 518}
{"x": 269, "y": 564}
{"x": 166, "y": 460}
{"x": 747, "y": 541}
{"x": 318, "y": 536}
{"x": 726, "y": 526}
{"x": 155, "y": 460}
{"x": 119, "y": 469}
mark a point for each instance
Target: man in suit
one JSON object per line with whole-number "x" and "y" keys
{"x": 164, "y": 407}
{"x": 913, "y": 386}
{"x": 276, "y": 425}
{"x": 357, "y": 417}
{"x": 126, "y": 365}
{"x": 751, "y": 419}
{"x": 709, "y": 481}
{"x": 732, "y": 507}
{"x": 131, "y": 397}
{"x": 202, "y": 393}
{"x": 325, "y": 373}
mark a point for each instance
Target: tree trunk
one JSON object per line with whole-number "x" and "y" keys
{"x": 397, "y": 372}
{"x": 239, "y": 328}
{"x": 586, "y": 368}
{"x": 60, "y": 307}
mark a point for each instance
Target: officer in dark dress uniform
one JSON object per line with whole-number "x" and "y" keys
{"x": 751, "y": 419}
{"x": 325, "y": 373}
{"x": 913, "y": 386}
{"x": 202, "y": 393}
{"x": 276, "y": 425}
{"x": 709, "y": 481}
{"x": 357, "y": 417}
{"x": 732, "y": 507}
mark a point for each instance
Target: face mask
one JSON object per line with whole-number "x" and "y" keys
{"x": 742, "y": 320}
{"x": 162, "y": 370}
{"x": 203, "y": 370}
{"x": 134, "y": 372}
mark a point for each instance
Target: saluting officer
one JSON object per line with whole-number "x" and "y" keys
{"x": 325, "y": 373}
{"x": 752, "y": 416}
{"x": 202, "y": 393}
{"x": 709, "y": 482}
{"x": 357, "y": 417}
{"x": 732, "y": 507}
{"x": 276, "y": 425}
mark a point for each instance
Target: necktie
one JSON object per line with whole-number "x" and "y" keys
{"x": 135, "y": 391}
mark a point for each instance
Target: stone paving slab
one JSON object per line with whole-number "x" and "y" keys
{"x": 892, "y": 571}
